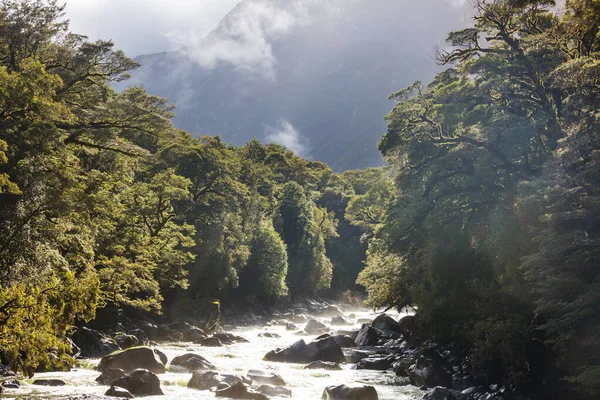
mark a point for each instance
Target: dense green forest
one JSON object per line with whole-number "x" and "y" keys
{"x": 104, "y": 203}
{"x": 486, "y": 220}
{"x": 494, "y": 234}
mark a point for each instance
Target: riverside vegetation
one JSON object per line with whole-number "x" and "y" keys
{"x": 486, "y": 218}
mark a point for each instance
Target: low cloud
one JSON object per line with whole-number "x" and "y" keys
{"x": 285, "y": 134}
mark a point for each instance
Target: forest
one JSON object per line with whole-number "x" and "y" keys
{"x": 485, "y": 219}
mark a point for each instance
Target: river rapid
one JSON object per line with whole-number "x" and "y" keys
{"x": 234, "y": 359}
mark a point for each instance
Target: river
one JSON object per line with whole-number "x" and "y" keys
{"x": 235, "y": 359}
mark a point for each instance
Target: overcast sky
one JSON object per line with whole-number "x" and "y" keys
{"x": 146, "y": 26}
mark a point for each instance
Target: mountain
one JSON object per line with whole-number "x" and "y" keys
{"x": 311, "y": 74}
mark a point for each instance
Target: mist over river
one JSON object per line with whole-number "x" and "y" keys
{"x": 236, "y": 359}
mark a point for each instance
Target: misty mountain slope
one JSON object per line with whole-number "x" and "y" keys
{"x": 313, "y": 75}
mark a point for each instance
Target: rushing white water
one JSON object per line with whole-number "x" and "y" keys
{"x": 235, "y": 359}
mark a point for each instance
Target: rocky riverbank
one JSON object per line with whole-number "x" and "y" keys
{"x": 338, "y": 353}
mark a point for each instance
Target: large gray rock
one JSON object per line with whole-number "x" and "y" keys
{"x": 239, "y": 391}
{"x": 315, "y": 327}
{"x": 126, "y": 341}
{"x": 430, "y": 370}
{"x": 325, "y": 349}
{"x": 192, "y": 362}
{"x": 376, "y": 363}
{"x": 367, "y": 336}
{"x": 109, "y": 375}
{"x": 441, "y": 393}
{"x": 344, "y": 341}
{"x": 93, "y": 344}
{"x": 275, "y": 391}
{"x": 49, "y": 382}
{"x": 140, "y": 382}
{"x": 132, "y": 359}
{"x": 340, "y": 320}
{"x": 269, "y": 378}
{"x": 120, "y": 392}
{"x": 345, "y": 392}
{"x": 203, "y": 380}
{"x": 331, "y": 366}
{"x": 408, "y": 326}
{"x": 386, "y": 323}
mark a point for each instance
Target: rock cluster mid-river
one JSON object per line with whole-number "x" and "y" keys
{"x": 236, "y": 359}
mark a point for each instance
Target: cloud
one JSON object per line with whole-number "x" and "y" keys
{"x": 285, "y": 134}
{"x": 145, "y": 26}
{"x": 243, "y": 40}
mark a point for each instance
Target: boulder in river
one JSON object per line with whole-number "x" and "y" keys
{"x": 11, "y": 384}
{"x": 49, "y": 382}
{"x": 269, "y": 335}
{"x": 132, "y": 359}
{"x": 228, "y": 338}
{"x": 92, "y": 343}
{"x": 211, "y": 342}
{"x": 441, "y": 393}
{"x": 120, "y": 392}
{"x": 140, "y": 382}
{"x": 367, "y": 336}
{"x": 376, "y": 363}
{"x": 430, "y": 370}
{"x": 239, "y": 391}
{"x": 345, "y": 392}
{"x": 354, "y": 356}
{"x": 314, "y": 327}
{"x": 331, "y": 366}
{"x": 386, "y": 323}
{"x": 340, "y": 320}
{"x": 126, "y": 341}
{"x": 275, "y": 391}
{"x": 408, "y": 326}
{"x": 192, "y": 362}
{"x": 109, "y": 375}
{"x": 203, "y": 380}
{"x": 331, "y": 311}
{"x": 269, "y": 378}
{"x": 325, "y": 349}
{"x": 344, "y": 341}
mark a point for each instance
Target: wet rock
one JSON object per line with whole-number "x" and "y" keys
{"x": 354, "y": 356}
{"x": 192, "y": 362}
{"x": 473, "y": 390}
{"x": 386, "y": 323}
{"x": 402, "y": 365}
{"x": 203, "y": 380}
{"x": 189, "y": 333}
{"x": 164, "y": 333}
{"x": 140, "y": 382}
{"x": 364, "y": 321}
{"x": 430, "y": 370}
{"x": 49, "y": 382}
{"x": 221, "y": 386}
{"x": 116, "y": 391}
{"x": 161, "y": 356}
{"x": 228, "y": 338}
{"x": 376, "y": 363}
{"x": 126, "y": 341}
{"x": 110, "y": 375}
{"x": 331, "y": 366}
{"x": 141, "y": 335}
{"x": 211, "y": 342}
{"x": 93, "y": 344}
{"x": 462, "y": 381}
{"x": 269, "y": 378}
{"x": 314, "y": 327}
{"x": 340, "y": 320}
{"x": 275, "y": 391}
{"x": 344, "y": 341}
{"x": 408, "y": 326}
{"x": 441, "y": 393}
{"x": 367, "y": 336}
{"x": 239, "y": 391}
{"x": 331, "y": 311}
{"x": 345, "y": 392}
{"x": 299, "y": 352}
{"x": 300, "y": 319}
{"x": 11, "y": 384}
{"x": 132, "y": 359}
{"x": 269, "y": 335}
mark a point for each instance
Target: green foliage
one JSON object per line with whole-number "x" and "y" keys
{"x": 495, "y": 210}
